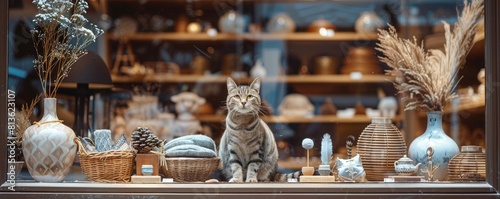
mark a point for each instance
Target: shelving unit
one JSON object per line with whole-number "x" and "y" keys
{"x": 295, "y": 49}
{"x": 338, "y": 36}
{"x": 291, "y": 79}
{"x": 295, "y": 119}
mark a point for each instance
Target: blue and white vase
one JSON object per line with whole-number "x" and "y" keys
{"x": 444, "y": 147}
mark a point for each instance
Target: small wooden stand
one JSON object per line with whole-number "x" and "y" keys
{"x": 405, "y": 179}
{"x": 317, "y": 178}
{"x": 146, "y": 179}
{"x": 147, "y": 159}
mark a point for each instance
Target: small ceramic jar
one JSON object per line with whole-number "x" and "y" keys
{"x": 147, "y": 169}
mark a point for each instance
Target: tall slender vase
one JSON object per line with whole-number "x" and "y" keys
{"x": 444, "y": 147}
{"x": 48, "y": 146}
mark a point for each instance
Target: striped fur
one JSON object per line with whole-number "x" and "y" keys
{"x": 247, "y": 149}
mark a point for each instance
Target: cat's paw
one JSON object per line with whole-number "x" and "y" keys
{"x": 236, "y": 180}
{"x": 252, "y": 180}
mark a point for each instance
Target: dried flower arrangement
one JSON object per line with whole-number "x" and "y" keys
{"x": 429, "y": 78}
{"x": 60, "y": 38}
{"x": 22, "y": 123}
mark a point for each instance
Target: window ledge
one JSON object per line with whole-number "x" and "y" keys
{"x": 375, "y": 188}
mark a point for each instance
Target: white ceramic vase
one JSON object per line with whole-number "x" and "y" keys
{"x": 368, "y": 22}
{"x": 48, "y": 147}
{"x": 444, "y": 147}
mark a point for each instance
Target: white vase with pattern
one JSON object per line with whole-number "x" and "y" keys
{"x": 48, "y": 147}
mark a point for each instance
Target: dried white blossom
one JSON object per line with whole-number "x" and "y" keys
{"x": 60, "y": 38}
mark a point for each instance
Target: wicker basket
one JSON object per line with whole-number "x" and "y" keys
{"x": 108, "y": 166}
{"x": 191, "y": 169}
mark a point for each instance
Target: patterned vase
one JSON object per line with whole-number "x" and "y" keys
{"x": 48, "y": 146}
{"x": 444, "y": 147}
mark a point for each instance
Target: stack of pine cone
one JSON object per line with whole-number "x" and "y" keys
{"x": 143, "y": 140}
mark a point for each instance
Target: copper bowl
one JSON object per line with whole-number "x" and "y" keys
{"x": 316, "y": 25}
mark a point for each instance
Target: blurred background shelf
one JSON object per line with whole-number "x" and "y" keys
{"x": 292, "y": 79}
{"x": 297, "y": 119}
{"x": 337, "y": 36}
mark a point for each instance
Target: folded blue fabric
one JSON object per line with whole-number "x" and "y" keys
{"x": 199, "y": 140}
{"x": 190, "y": 150}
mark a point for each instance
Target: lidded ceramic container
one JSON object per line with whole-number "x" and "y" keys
{"x": 404, "y": 166}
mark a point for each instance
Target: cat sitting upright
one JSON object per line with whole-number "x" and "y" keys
{"x": 247, "y": 148}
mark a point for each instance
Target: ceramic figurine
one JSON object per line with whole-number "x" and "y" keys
{"x": 186, "y": 104}
{"x": 296, "y": 105}
{"x": 431, "y": 169}
{"x": 388, "y": 105}
{"x": 326, "y": 155}
{"x": 307, "y": 144}
{"x": 328, "y": 108}
{"x": 404, "y": 166}
{"x": 258, "y": 70}
{"x": 351, "y": 170}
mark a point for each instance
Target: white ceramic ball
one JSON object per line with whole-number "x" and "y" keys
{"x": 307, "y": 143}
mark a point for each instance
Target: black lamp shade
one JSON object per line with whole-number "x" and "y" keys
{"x": 91, "y": 70}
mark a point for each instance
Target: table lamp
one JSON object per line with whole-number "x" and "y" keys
{"x": 88, "y": 75}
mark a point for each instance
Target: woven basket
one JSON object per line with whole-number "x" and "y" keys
{"x": 108, "y": 166}
{"x": 191, "y": 169}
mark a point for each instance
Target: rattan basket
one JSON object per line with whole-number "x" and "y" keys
{"x": 191, "y": 169}
{"x": 108, "y": 166}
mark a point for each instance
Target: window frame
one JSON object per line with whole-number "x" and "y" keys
{"x": 488, "y": 189}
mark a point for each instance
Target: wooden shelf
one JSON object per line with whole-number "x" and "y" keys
{"x": 470, "y": 106}
{"x": 292, "y": 79}
{"x": 292, "y": 119}
{"x": 338, "y": 36}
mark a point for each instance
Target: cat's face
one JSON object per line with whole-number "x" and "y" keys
{"x": 243, "y": 99}
{"x": 350, "y": 168}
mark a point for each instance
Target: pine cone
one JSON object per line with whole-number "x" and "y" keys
{"x": 143, "y": 140}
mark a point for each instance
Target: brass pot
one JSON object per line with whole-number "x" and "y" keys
{"x": 324, "y": 65}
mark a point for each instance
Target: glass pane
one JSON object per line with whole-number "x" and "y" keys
{"x": 166, "y": 67}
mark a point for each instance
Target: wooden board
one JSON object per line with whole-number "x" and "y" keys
{"x": 317, "y": 179}
{"x": 404, "y": 179}
{"x": 146, "y": 179}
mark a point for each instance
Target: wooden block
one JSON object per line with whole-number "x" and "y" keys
{"x": 145, "y": 159}
{"x": 406, "y": 178}
{"x": 145, "y": 179}
{"x": 317, "y": 178}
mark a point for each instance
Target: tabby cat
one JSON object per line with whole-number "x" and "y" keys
{"x": 247, "y": 147}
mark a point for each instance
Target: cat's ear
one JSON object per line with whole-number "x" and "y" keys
{"x": 231, "y": 84}
{"x": 255, "y": 84}
{"x": 339, "y": 162}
